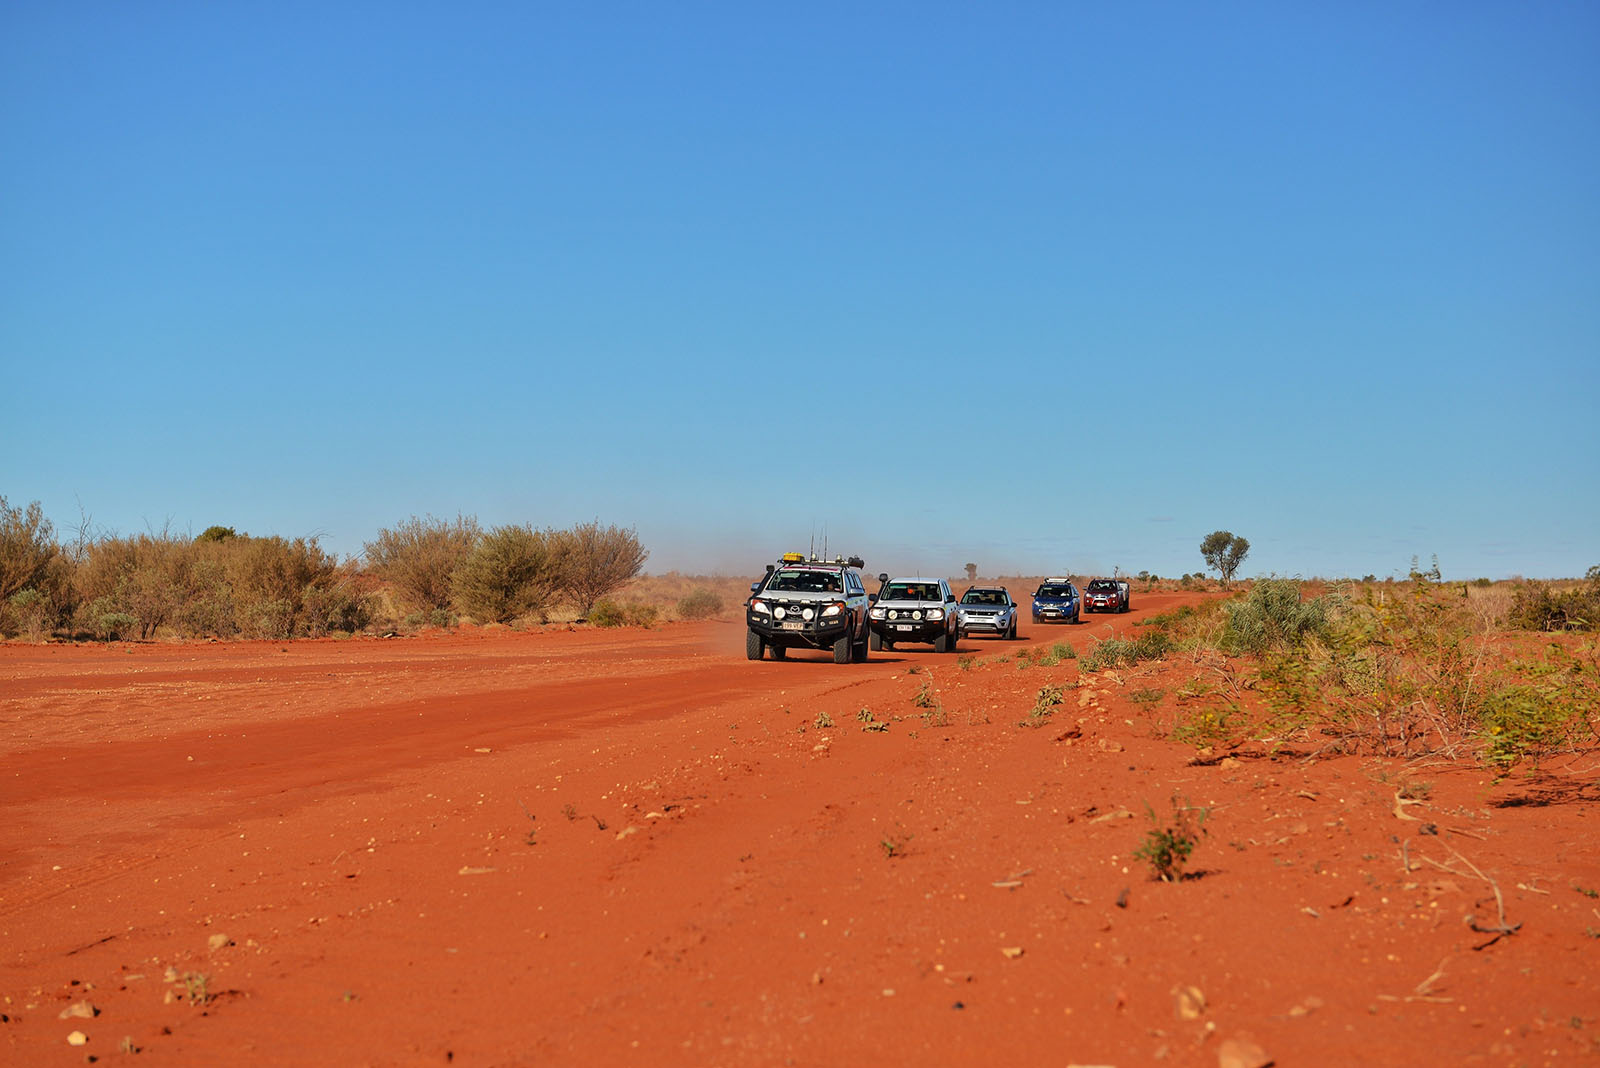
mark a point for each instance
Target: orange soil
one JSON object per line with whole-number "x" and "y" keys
{"x": 574, "y": 847}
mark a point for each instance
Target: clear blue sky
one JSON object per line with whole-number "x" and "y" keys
{"x": 1041, "y": 286}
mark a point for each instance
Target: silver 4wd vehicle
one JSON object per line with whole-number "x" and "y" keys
{"x": 1107, "y": 595}
{"x": 915, "y": 610}
{"x": 808, "y": 604}
{"x": 989, "y": 610}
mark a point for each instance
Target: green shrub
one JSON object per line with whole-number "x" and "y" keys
{"x": 419, "y": 558}
{"x": 1536, "y": 606}
{"x": 609, "y": 613}
{"x": 113, "y": 625}
{"x": 1044, "y": 706}
{"x": 1115, "y": 652}
{"x": 1272, "y": 616}
{"x": 1553, "y": 706}
{"x": 700, "y": 603}
{"x": 31, "y": 611}
{"x": 27, "y": 545}
{"x": 1168, "y": 846}
{"x": 513, "y": 571}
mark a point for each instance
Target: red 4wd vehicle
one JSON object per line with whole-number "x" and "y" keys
{"x": 1106, "y": 595}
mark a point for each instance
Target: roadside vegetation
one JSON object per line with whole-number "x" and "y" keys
{"x": 225, "y": 584}
{"x": 1401, "y": 669}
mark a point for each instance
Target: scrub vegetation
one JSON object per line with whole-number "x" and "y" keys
{"x": 1399, "y": 669}
{"x": 226, "y": 584}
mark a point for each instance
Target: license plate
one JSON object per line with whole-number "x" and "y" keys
{"x": 793, "y": 626}
{"x": 904, "y": 626}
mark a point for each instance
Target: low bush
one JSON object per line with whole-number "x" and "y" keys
{"x": 609, "y": 613}
{"x": 700, "y": 604}
{"x": 1538, "y": 606}
{"x": 1272, "y": 616}
{"x": 1169, "y": 844}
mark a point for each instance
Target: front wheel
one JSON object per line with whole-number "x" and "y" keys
{"x": 841, "y": 650}
{"x": 1011, "y": 634}
{"x": 753, "y": 645}
{"x": 860, "y": 649}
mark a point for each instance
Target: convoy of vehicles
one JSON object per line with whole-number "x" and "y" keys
{"x": 989, "y": 610}
{"x": 803, "y": 602}
{"x": 915, "y": 610}
{"x": 1107, "y": 595}
{"x": 1057, "y": 601}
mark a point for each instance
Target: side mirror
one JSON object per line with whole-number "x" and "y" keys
{"x": 871, "y": 597}
{"x": 754, "y": 586}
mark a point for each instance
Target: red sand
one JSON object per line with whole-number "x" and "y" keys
{"x": 636, "y": 847}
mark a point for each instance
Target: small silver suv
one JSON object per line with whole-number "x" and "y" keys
{"x": 915, "y": 610}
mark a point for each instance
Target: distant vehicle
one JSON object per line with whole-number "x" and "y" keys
{"x": 915, "y": 610}
{"x": 989, "y": 610}
{"x": 1057, "y": 601}
{"x": 808, "y": 604}
{"x": 1107, "y": 595}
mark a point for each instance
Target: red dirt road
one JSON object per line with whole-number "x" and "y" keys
{"x": 636, "y": 847}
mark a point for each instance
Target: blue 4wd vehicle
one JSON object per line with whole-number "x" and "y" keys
{"x": 808, "y": 604}
{"x": 1057, "y": 600}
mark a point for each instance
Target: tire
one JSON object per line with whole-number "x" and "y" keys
{"x": 861, "y": 647}
{"x": 942, "y": 643}
{"x": 753, "y": 645}
{"x": 778, "y": 651}
{"x": 841, "y": 650}
{"x": 888, "y": 646}
{"x": 875, "y": 640}
{"x": 1011, "y": 635}
{"x": 1077, "y": 617}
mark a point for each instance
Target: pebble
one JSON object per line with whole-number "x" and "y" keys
{"x": 1242, "y": 1053}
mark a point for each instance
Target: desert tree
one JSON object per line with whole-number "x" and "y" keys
{"x": 27, "y": 545}
{"x": 972, "y": 571}
{"x": 419, "y": 557}
{"x": 513, "y": 571}
{"x": 598, "y": 560}
{"x": 1224, "y": 552}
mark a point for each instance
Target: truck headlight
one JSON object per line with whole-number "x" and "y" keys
{"x": 832, "y": 610}
{"x": 760, "y": 608}
{"x": 936, "y": 613}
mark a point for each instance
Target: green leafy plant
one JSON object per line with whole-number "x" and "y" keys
{"x": 894, "y": 845}
{"x": 1206, "y": 726}
{"x": 1044, "y": 705}
{"x": 1151, "y": 696}
{"x": 1169, "y": 844}
{"x": 823, "y": 721}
